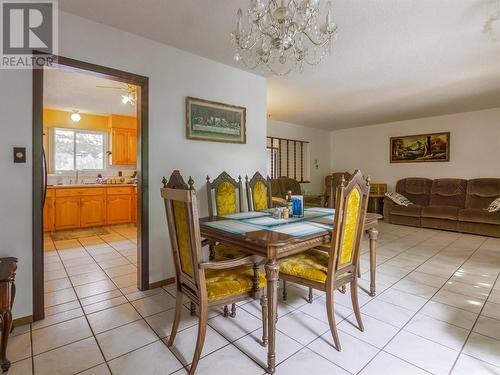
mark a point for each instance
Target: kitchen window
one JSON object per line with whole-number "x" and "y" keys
{"x": 78, "y": 150}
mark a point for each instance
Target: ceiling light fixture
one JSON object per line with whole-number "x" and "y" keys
{"x": 75, "y": 116}
{"x": 283, "y": 34}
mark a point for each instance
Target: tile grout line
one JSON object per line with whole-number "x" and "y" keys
{"x": 31, "y": 347}
{"x": 472, "y": 329}
{"x": 379, "y": 350}
{"x": 402, "y": 328}
{"x": 142, "y": 318}
{"x": 85, "y": 316}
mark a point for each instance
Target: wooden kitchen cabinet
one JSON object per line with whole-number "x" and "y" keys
{"x": 49, "y": 216}
{"x": 133, "y": 213}
{"x": 81, "y": 207}
{"x": 67, "y": 212}
{"x": 120, "y": 146}
{"x": 92, "y": 211}
{"x": 132, "y": 147}
{"x": 118, "y": 209}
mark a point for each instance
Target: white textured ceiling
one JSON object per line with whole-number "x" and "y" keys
{"x": 67, "y": 91}
{"x": 393, "y": 60}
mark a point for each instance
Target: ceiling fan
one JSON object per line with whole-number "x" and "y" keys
{"x": 130, "y": 91}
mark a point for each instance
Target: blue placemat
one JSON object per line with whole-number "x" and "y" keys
{"x": 300, "y": 229}
{"x": 245, "y": 215}
{"x": 271, "y": 221}
{"x": 232, "y": 226}
{"x": 324, "y": 210}
{"x": 324, "y": 220}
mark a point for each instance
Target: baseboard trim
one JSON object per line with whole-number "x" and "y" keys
{"x": 161, "y": 283}
{"x": 22, "y": 321}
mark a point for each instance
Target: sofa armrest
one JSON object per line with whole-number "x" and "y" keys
{"x": 388, "y": 203}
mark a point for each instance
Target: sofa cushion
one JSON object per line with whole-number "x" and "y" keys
{"x": 481, "y": 192}
{"x": 448, "y": 192}
{"x": 441, "y": 212}
{"x": 478, "y": 215}
{"x": 413, "y": 210}
{"x": 416, "y": 189}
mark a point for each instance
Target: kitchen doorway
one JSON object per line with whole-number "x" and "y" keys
{"x": 84, "y": 217}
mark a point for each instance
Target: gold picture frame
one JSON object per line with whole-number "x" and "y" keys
{"x": 418, "y": 148}
{"x": 213, "y": 121}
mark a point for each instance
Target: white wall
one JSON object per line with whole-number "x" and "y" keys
{"x": 474, "y": 147}
{"x": 173, "y": 75}
{"x": 319, "y": 149}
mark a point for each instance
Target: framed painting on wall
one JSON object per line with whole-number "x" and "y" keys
{"x": 420, "y": 148}
{"x": 212, "y": 121}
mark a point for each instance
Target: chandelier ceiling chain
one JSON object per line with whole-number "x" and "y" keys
{"x": 283, "y": 34}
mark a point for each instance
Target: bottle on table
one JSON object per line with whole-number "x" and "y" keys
{"x": 289, "y": 202}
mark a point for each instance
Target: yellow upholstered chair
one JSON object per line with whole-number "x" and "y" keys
{"x": 258, "y": 192}
{"x": 336, "y": 268}
{"x": 225, "y": 197}
{"x": 207, "y": 284}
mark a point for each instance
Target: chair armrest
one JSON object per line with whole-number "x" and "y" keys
{"x": 241, "y": 261}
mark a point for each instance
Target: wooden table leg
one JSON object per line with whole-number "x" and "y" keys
{"x": 6, "y": 326}
{"x": 272, "y": 273}
{"x": 373, "y": 234}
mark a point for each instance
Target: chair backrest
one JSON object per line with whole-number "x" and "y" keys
{"x": 332, "y": 181}
{"x": 350, "y": 211}
{"x": 258, "y": 192}
{"x": 182, "y": 218}
{"x": 226, "y": 193}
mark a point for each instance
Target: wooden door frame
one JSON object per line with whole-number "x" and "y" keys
{"x": 142, "y": 171}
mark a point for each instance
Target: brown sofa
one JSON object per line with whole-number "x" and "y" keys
{"x": 447, "y": 203}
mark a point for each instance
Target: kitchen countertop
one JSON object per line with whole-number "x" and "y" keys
{"x": 79, "y": 186}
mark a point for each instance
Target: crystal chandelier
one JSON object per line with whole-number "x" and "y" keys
{"x": 283, "y": 34}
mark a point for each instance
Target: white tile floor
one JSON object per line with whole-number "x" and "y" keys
{"x": 437, "y": 311}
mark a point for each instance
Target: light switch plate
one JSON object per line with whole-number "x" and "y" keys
{"x": 19, "y": 154}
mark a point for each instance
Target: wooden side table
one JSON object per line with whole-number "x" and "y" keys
{"x": 376, "y": 198}
{"x": 8, "y": 267}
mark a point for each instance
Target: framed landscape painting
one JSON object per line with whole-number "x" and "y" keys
{"x": 212, "y": 121}
{"x": 420, "y": 148}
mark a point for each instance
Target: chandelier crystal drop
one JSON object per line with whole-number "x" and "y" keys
{"x": 282, "y": 35}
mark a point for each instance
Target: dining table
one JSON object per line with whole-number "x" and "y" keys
{"x": 262, "y": 233}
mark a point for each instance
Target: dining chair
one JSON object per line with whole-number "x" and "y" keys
{"x": 258, "y": 191}
{"x": 225, "y": 197}
{"x": 328, "y": 271}
{"x": 207, "y": 284}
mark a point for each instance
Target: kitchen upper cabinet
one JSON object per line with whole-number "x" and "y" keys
{"x": 132, "y": 148}
{"x": 123, "y": 140}
{"x": 118, "y": 209}
{"x": 119, "y": 146}
{"x": 93, "y": 211}
{"x": 67, "y": 212}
